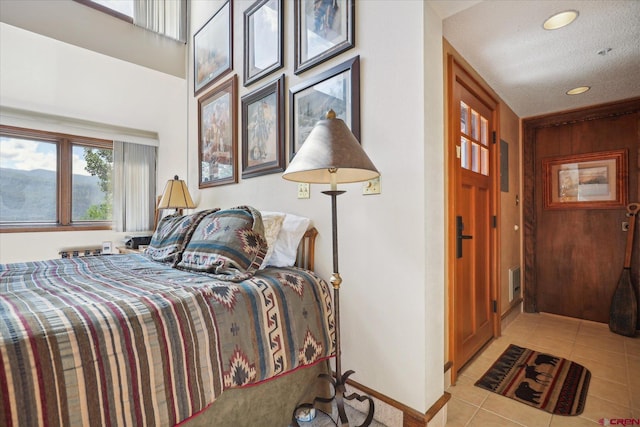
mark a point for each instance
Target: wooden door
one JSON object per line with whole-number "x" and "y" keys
{"x": 472, "y": 118}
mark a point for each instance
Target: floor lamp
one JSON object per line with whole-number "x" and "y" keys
{"x": 331, "y": 154}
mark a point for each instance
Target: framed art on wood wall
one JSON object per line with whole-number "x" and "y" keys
{"x": 263, "y": 39}
{"x": 218, "y": 135}
{"x": 263, "y": 130}
{"x": 587, "y": 181}
{"x": 337, "y": 89}
{"x": 323, "y": 29}
{"x": 213, "y": 48}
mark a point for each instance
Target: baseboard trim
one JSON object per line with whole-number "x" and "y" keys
{"x": 410, "y": 417}
{"x": 512, "y": 306}
{"x": 437, "y": 407}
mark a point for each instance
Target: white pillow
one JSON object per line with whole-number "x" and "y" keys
{"x": 286, "y": 247}
{"x": 272, "y": 222}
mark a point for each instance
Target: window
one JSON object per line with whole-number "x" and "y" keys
{"x": 52, "y": 181}
{"x": 168, "y": 18}
{"x": 474, "y": 142}
{"x": 122, "y": 9}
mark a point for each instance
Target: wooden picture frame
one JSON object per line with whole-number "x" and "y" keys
{"x": 263, "y": 130}
{"x": 263, "y": 41}
{"x": 323, "y": 29}
{"x": 338, "y": 89}
{"x": 586, "y": 181}
{"x": 218, "y": 135}
{"x": 213, "y": 49}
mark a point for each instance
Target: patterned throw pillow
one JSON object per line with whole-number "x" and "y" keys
{"x": 173, "y": 232}
{"x": 229, "y": 244}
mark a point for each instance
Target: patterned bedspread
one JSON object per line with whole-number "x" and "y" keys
{"x": 123, "y": 340}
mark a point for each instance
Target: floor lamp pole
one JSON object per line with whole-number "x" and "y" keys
{"x": 340, "y": 380}
{"x": 335, "y": 281}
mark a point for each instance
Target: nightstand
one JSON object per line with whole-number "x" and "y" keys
{"x": 126, "y": 250}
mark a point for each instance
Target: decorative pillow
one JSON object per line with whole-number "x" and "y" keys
{"x": 173, "y": 232}
{"x": 272, "y": 222}
{"x": 229, "y": 244}
{"x": 285, "y": 250}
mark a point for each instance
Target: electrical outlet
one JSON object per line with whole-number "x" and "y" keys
{"x": 371, "y": 187}
{"x": 303, "y": 190}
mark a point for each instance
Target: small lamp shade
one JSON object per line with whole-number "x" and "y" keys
{"x": 331, "y": 154}
{"x": 176, "y": 195}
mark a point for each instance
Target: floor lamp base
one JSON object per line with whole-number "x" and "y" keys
{"x": 339, "y": 396}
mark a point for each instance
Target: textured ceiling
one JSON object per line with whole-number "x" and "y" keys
{"x": 530, "y": 68}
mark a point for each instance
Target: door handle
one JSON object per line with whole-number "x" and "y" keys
{"x": 459, "y": 236}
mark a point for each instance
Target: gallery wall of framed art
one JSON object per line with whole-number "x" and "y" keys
{"x": 255, "y": 143}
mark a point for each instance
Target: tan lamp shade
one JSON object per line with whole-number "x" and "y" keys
{"x": 331, "y": 154}
{"x": 176, "y": 195}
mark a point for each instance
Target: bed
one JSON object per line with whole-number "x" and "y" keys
{"x": 197, "y": 331}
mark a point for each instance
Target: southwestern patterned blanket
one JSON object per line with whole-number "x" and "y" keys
{"x": 123, "y": 340}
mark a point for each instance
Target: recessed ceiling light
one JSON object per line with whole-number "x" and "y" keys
{"x": 560, "y": 20}
{"x": 578, "y": 90}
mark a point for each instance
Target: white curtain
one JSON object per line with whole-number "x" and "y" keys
{"x": 134, "y": 186}
{"x": 168, "y": 17}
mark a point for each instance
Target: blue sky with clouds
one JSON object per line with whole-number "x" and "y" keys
{"x": 24, "y": 154}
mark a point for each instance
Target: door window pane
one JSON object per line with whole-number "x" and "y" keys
{"x": 464, "y": 153}
{"x": 475, "y": 157}
{"x": 27, "y": 180}
{"x": 464, "y": 118}
{"x": 92, "y": 184}
{"x": 475, "y": 125}
{"x": 484, "y": 167}
{"x": 484, "y": 131}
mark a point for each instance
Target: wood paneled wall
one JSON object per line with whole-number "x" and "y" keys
{"x": 574, "y": 257}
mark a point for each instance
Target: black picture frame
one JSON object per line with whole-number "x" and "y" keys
{"x": 263, "y": 43}
{"x": 218, "y": 135}
{"x": 213, "y": 49}
{"x": 323, "y": 29}
{"x": 338, "y": 89}
{"x": 263, "y": 150}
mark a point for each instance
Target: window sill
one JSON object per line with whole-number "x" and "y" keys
{"x": 32, "y": 228}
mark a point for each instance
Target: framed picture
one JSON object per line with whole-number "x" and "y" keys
{"x": 218, "y": 135}
{"x": 213, "y": 49}
{"x": 588, "y": 181}
{"x": 337, "y": 89}
{"x": 263, "y": 39}
{"x": 263, "y": 130}
{"x": 323, "y": 29}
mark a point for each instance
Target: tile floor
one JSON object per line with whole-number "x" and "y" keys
{"x": 614, "y": 362}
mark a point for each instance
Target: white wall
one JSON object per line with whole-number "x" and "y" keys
{"x": 391, "y": 245}
{"x": 48, "y": 76}
{"x": 434, "y": 205}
